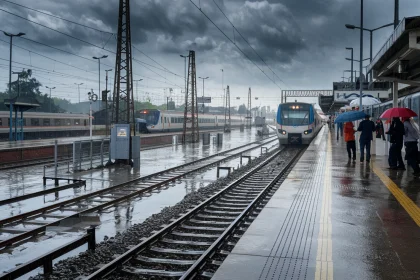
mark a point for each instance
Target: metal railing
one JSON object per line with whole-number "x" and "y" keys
{"x": 46, "y": 261}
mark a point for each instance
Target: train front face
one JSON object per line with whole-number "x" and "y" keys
{"x": 152, "y": 118}
{"x": 295, "y": 123}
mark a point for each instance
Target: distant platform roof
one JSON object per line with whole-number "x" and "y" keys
{"x": 23, "y": 103}
{"x": 399, "y": 58}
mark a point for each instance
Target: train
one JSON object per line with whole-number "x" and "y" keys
{"x": 411, "y": 101}
{"x": 40, "y": 125}
{"x": 170, "y": 121}
{"x": 297, "y": 123}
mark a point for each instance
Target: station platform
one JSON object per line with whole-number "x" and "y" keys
{"x": 12, "y": 145}
{"x": 333, "y": 219}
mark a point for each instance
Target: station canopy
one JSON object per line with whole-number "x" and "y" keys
{"x": 399, "y": 58}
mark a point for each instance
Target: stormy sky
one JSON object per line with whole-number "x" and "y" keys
{"x": 302, "y": 41}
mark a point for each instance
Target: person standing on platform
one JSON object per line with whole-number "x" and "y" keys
{"x": 367, "y": 127}
{"x": 380, "y": 129}
{"x": 350, "y": 139}
{"x": 411, "y": 138}
{"x": 396, "y": 131}
{"x": 339, "y": 130}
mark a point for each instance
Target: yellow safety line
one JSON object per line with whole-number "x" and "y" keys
{"x": 324, "y": 263}
{"x": 412, "y": 209}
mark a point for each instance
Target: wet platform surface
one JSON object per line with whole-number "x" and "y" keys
{"x": 333, "y": 219}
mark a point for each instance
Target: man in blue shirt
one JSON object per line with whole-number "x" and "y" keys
{"x": 367, "y": 127}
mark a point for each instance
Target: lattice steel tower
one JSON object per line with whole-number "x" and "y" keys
{"x": 227, "y": 111}
{"x": 123, "y": 102}
{"x": 191, "y": 132}
{"x": 248, "y": 112}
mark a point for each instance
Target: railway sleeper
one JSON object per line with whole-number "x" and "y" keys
{"x": 214, "y": 217}
{"x": 217, "y": 223}
{"x": 257, "y": 182}
{"x": 151, "y": 272}
{"x": 198, "y": 228}
{"x": 246, "y": 192}
{"x": 142, "y": 259}
{"x": 195, "y": 235}
{"x": 186, "y": 242}
{"x": 176, "y": 251}
{"x": 228, "y": 204}
{"x": 236, "y": 198}
{"x": 229, "y": 200}
{"x": 225, "y": 213}
{"x": 214, "y": 206}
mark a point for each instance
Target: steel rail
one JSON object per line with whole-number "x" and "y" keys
{"x": 127, "y": 256}
{"x": 41, "y": 211}
{"x": 195, "y": 268}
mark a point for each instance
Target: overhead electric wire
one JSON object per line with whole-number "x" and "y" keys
{"x": 248, "y": 42}
{"x": 51, "y": 72}
{"x": 54, "y": 16}
{"x": 164, "y": 68}
{"x": 78, "y": 39}
{"x": 53, "y": 59}
{"x": 85, "y": 58}
{"x": 198, "y": 8}
{"x": 60, "y": 32}
{"x": 81, "y": 40}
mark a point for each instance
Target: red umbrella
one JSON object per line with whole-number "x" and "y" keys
{"x": 398, "y": 113}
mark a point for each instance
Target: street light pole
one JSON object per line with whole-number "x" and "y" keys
{"x": 137, "y": 94}
{"x": 396, "y": 13}
{"x": 351, "y": 63}
{"x": 78, "y": 89}
{"x": 350, "y": 26}
{"x": 185, "y": 71}
{"x": 10, "y": 82}
{"x": 50, "y": 96}
{"x": 223, "y": 101}
{"x": 106, "y": 106}
{"x": 203, "y": 89}
{"x": 99, "y": 66}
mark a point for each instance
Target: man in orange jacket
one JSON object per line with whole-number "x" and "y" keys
{"x": 350, "y": 139}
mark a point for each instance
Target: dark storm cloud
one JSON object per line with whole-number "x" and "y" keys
{"x": 273, "y": 28}
{"x": 292, "y": 36}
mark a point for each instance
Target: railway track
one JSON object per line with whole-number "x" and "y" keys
{"x": 32, "y": 223}
{"x": 194, "y": 246}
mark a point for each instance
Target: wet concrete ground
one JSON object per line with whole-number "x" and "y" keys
{"x": 121, "y": 217}
{"x": 333, "y": 219}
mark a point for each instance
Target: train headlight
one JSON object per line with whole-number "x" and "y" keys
{"x": 281, "y": 131}
{"x": 306, "y": 132}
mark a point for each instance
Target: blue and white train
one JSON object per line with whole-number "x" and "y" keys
{"x": 297, "y": 123}
{"x": 165, "y": 121}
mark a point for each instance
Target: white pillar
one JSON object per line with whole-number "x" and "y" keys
{"x": 395, "y": 94}
{"x": 90, "y": 119}
{"x": 373, "y": 148}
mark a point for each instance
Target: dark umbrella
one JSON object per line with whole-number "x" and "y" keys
{"x": 350, "y": 116}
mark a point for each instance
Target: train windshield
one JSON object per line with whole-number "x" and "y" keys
{"x": 295, "y": 114}
{"x": 150, "y": 116}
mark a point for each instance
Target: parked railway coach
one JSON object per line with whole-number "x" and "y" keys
{"x": 297, "y": 123}
{"x": 39, "y": 125}
{"x": 165, "y": 121}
